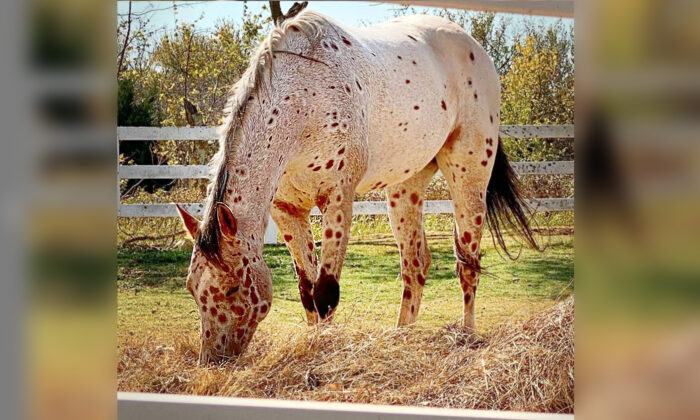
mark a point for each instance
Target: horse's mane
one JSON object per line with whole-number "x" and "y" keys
{"x": 308, "y": 23}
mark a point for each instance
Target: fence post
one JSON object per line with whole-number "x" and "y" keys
{"x": 271, "y": 232}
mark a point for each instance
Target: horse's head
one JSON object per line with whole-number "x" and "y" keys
{"x": 233, "y": 289}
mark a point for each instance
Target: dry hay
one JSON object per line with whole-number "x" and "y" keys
{"x": 527, "y": 367}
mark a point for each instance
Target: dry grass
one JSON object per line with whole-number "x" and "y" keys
{"x": 528, "y": 366}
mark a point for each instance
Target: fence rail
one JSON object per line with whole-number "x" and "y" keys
{"x": 210, "y": 133}
{"x": 202, "y": 171}
{"x": 142, "y": 406}
{"x": 360, "y": 207}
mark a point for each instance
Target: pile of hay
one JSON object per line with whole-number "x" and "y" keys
{"x": 527, "y": 367}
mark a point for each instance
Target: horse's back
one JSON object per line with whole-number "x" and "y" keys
{"x": 420, "y": 68}
{"x": 404, "y": 86}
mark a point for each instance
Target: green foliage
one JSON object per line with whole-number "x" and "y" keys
{"x": 539, "y": 86}
{"x": 141, "y": 111}
{"x": 132, "y": 111}
{"x": 160, "y": 70}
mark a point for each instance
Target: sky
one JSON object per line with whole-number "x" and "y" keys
{"x": 354, "y": 13}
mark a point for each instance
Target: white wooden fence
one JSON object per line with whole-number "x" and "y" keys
{"x": 142, "y": 406}
{"x": 359, "y": 207}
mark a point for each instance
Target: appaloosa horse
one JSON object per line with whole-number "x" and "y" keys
{"x": 325, "y": 111}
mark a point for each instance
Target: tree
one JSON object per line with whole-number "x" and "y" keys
{"x": 134, "y": 112}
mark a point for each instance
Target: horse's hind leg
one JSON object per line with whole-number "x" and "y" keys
{"x": 466, "y": 161}
{"x": 406, "y": 217}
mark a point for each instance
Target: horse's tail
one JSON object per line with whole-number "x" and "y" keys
{"x": 505, "y": 206}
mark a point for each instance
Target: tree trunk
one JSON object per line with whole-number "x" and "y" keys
{"x": 276, "y": 11}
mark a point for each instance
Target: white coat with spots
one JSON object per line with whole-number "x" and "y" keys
{"x": 326, "y": 111}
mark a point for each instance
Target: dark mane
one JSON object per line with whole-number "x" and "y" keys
{"x": 209, "y": 238}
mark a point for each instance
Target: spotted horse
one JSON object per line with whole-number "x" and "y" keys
{"x": 325, "y": 111}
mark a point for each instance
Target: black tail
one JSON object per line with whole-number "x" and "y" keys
{"x": 505, "y": 207}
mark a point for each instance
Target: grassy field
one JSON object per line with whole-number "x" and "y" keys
{"x": 520, "y": 359}
{"x": 152, "y": 298}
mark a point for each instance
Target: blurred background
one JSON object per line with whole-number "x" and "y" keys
{"x": 637, "y": 113}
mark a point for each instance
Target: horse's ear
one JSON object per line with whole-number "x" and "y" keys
{"x": 190, "y": 222}
{"x": 227, "y": 222}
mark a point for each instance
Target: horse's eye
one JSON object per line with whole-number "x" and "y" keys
{"x": 232, "y": 290}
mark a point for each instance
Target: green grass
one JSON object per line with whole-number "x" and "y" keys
{"x": 152, "y": 298}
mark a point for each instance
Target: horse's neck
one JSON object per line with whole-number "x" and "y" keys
{"x": 255, "y": 167}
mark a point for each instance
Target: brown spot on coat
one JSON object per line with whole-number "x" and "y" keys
{"x": 322, "y": 202}
{"x": 287, "y": 208}
{"x": 466, "y": 238}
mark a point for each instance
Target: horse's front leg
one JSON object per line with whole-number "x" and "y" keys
{"x": 336, "y": 207}
{"x": 293, "y": 222}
